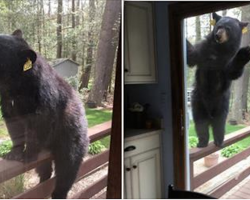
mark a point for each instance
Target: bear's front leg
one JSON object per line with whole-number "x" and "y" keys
{"x": 16, "y": 131}
{"x": 202, "y": 133}
{"x": 218, "y": 126}
{"x": 236, "y": 66}
{"x": 32, "y": 146}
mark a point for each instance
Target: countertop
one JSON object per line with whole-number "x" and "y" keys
{"x": 134, "y": 134}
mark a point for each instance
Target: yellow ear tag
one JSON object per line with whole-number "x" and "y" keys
{"x": 244, "y": 30}
{"x": 27, "y": 65}
{"x": 212, "y": 22}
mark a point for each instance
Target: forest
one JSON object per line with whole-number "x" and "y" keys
{"x": 196, "y": 29}
{"x": 85, "y": 31}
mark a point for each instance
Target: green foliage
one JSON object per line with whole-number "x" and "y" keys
{"x": 96, "y": 116}
{"x": 96, "y": 147}
{"x": 12, "y": 187}
{"x": 105, "y": 141}
{"x": 3, "y": 130}
{"x": 231, "y": 150}
{"x": 192, "y": 141}
{"x": 73, "y": 81}
{"x": 5, "y": 147}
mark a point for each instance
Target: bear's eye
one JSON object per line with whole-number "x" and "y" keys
{"x": 228, "y": 29}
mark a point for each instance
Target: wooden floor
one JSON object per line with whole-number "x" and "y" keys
{"x": 242, "y": 192}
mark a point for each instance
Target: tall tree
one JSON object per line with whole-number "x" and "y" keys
{"x": 49, "y": 9}
{"x": 240, "y": 87}
{"x": 89, "y": 61}
{"x": 197, "y": 28}
{"x": 105, "y": 52}
{"x": 73, "y": 55}
{"x": 59, "y": 28}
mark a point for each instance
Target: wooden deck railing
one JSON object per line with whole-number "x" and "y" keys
{"x": 10, "y": 169}
{"x": 198, "y": 153}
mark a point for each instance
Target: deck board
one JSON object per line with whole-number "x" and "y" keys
{"x": 242, "y": 192}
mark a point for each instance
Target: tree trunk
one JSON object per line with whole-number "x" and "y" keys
{"x": 73, "y": 55}
{"x": 197, "y": 28}
{"x": 105, "y": 53}
{"x": 240, "y": 87}
{"x": 39, "y": 27}
{"x": 49, "y": 9}
{"x": 59, "y": 28}
{"x": 77, "y": 20}
{"x": 89, "y": 60}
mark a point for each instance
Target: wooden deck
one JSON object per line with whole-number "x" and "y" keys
{"x": 230, "y": 182}
{"x": 240, "y": 191}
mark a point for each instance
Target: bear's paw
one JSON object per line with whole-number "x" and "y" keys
{"x": 14, "y": 154}
{"x": 244, "y": 54}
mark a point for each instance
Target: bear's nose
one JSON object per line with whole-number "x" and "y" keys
{"x": 217, "y": 36}
{"x": 221, "y": 35}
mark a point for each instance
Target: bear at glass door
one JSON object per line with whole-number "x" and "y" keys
{"x": 219, "y": 60}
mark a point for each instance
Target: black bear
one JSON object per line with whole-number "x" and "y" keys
{"x": 219, "y": 60}
{"x": 41, "y": 111}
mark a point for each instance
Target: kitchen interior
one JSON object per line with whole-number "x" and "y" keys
{"x": 148, "y": 154}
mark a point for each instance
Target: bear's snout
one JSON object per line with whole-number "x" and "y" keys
{"x": 221, "y": 36}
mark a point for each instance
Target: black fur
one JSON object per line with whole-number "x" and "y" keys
{"x": 41, "y": 111}
{"x": 217, "y": 65}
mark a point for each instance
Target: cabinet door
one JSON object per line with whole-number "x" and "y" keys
{"x": 127, "y": 179}
{"x": 145, "y": 170}
{"x": 139, "y": 43}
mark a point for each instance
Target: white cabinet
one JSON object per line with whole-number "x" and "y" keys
{"x": 139, "y": 43}
{"x": 142, "y": 168}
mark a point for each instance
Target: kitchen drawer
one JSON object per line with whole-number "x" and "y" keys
{"x": 142, "y": 144}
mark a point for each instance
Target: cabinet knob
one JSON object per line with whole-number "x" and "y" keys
{"x": 125, "y": 70}
{"x": 134, "y": 166}
{"x": 127, "y": 169}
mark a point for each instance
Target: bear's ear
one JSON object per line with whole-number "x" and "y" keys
{"x": 243, "y": 24}
{"x": 28, "y": 54}
{"x": 18, "y": 33}
{"x": 216, "y": 17}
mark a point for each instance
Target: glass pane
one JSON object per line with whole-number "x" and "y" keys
{"x": 217, "y": 97}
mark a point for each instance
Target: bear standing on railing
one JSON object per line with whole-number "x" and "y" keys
{"x": 219, "y": 60}
{"x": 41, "y": 111}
